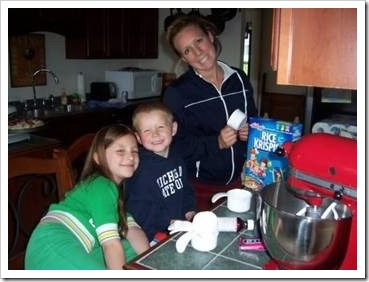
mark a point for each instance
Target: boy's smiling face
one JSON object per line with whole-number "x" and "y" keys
{"x": 155, "y": 131}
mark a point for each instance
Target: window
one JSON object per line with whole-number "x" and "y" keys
{"x": 247, "y": 48}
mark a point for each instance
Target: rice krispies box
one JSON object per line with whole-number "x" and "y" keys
{"x": 262, "y": 165}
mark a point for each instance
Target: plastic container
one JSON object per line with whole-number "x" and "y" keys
{"x": 64, "y": 98}
{"x": 251, "y": 244}
{"x": 81, "y": 86}
{"x": 234, "y": 224}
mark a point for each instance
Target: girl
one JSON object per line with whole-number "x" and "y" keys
{"x": 83, "y": 231}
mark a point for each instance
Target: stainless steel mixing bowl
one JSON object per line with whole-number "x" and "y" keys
{"x": 304, "y": 241}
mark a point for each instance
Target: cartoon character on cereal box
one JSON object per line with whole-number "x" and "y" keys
{"x": 257, "y": 166}
{"x": 262, "y": 168}
{"x": 262, "y": 165}
{"x": 252, "y": 162}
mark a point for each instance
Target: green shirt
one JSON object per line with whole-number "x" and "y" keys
{"x": 90, "y": 211}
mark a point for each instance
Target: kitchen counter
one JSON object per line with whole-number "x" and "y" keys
{"x": 67, "y": 126}
{"x": 226, "y": 256}
{"x": 89, "y": 107}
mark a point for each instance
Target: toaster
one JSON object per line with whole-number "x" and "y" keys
{"x": 102, "y": 91}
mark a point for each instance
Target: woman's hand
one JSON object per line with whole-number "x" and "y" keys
{"x": 243, "y": 132}
{"x": 227, "y": 137}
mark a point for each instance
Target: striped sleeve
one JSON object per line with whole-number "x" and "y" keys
{"x": 131, "y": 221}
{"x": 107, "y": 232}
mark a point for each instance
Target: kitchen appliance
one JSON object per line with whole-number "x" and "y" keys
{"x": 310, "y": 221}
{"x": 135, "y": 83}
{"x": 102, "y": 91}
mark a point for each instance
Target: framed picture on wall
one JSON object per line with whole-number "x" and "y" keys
{"x": 27, "y": 54}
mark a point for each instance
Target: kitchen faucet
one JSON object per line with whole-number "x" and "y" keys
{"x": 56, "y": 79}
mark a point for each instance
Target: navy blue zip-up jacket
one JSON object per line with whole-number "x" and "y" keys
{"x": 159, "y": 191}
{"x": 201, "y": 112}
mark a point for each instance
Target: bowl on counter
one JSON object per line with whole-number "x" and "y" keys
{"x": 302, "y": 241}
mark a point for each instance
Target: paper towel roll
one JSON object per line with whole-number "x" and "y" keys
{"x": 81, "y": 86}
{"x": 321, "y": 127}
{"x": 352, "y": 129}
{"x": 335, "y": 128}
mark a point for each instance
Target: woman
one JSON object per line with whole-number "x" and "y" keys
{"x": 202, "y": 100}
{"x": 84, "y": 230}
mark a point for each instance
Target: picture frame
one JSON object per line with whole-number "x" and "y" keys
{"x": 27, "y": 54}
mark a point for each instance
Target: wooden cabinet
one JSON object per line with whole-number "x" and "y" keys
{"x": 94, "y": 33}
{"x": 315, "y": 47}
{"x": 63, "y": 21}
{"x": 278, "y": 106}
{"x": 116, "y": 33}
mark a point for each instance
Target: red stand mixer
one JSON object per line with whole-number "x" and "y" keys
{"x": 323, "y": 167}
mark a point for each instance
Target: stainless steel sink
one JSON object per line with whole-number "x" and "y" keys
{"x": 57, "y": 111}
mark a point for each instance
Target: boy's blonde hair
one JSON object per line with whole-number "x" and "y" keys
{"x": 149, "y": 107}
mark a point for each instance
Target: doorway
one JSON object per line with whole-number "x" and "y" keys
{"x": 250, "y": 57}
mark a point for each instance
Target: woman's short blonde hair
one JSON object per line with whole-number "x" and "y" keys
{"x": 184, "y": 21}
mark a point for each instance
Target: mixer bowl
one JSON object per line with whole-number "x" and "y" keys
{"x": 301, "y": 241}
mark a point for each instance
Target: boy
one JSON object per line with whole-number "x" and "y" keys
{"x": 159, "y": 192}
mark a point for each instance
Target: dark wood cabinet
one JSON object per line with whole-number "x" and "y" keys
{"x": 94, "y": 33}
{"x": 64, "y": 21}
{"x": 116, "y": 33}
{"x": 278, "y": 106}
{"x": 143, "y": 36}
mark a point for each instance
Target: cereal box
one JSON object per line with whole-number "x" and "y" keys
{"x": 262, "y": 165}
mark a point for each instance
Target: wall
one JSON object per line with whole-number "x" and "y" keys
{"x": 67, "y": 69}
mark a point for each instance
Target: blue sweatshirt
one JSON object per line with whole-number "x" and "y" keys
{"x": 201, "y": 112}
{"x": 159, "y": 191}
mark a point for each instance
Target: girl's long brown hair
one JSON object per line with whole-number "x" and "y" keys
{"x": 103, "y": 139}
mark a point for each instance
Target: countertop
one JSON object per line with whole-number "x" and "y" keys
{"x": 67, "y": 126}
{"x": 87, "y": 107}
{"x": 76, "y": 109}
{"x": 226, "y": 256}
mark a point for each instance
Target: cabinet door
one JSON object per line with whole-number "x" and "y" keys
{"x": 116, "y": 33}
{"x": 96, "y": 33}
{"x": 315, "y": 47}
{"x": 140, "y": 34}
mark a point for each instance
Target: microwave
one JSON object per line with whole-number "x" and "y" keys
{"x": 133, "y": 83}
